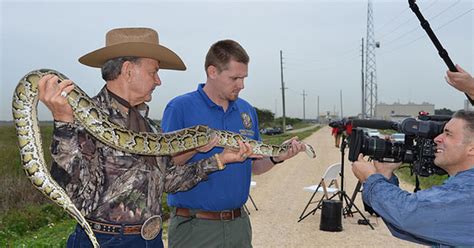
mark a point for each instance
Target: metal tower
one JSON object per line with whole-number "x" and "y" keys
{"x": 370, "y": 85}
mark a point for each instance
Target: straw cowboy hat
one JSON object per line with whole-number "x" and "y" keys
{"x": 137, "y": 42}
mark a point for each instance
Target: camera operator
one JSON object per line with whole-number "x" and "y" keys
{"x": 337, "y": 131}
{"x": 461, "y": 80}
{"x": 438, "y": 216}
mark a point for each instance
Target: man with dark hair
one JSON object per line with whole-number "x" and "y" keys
{"x": 119, "y": 193}
{"x": 441, "y": 215}
{"x": 210, "y": 214}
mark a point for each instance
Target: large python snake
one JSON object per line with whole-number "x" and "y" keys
{"x": 95, "y": 121}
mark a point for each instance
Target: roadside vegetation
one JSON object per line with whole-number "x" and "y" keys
{"x": 278, "y": 139}
{"x": 404, "y": 173}
{"x": 27, "y": 218}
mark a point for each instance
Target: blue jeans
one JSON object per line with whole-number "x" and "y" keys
{"x": 79, "y": 239}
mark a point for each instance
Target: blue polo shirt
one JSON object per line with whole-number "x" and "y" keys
{"x": 226, "y": 189}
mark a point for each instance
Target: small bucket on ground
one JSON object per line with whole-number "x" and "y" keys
{"x": 331, "y": 216}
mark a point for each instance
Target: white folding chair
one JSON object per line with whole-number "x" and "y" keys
{"x": 252, "y": 184}
{"x": 328, "y": 186}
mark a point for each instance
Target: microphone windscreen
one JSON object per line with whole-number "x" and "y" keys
{"x": 375, "y": 124}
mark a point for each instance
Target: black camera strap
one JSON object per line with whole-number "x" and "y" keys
{"x": 417, "y": 183}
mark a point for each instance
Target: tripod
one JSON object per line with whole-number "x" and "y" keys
{"x": 343, "y": 197}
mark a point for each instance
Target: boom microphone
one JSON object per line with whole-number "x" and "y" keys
{"x": 434, "y": 117}
{"x": 376, "y": 124}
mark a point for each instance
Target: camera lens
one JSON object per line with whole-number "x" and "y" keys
{"x": 376, "y": 148}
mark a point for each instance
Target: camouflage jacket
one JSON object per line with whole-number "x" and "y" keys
{"x": 113, "y": 186}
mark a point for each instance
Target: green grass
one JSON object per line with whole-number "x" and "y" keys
{"x": 278, "y": 139}
{"x": 301, "y": 125}
{"x": 24, "y": 211}
{"x": 53, "y": 235}
{"x": 15, "y": 188}
{"x": 36, "y": 224}
{"x": 404, "y": 174}
{"x": 9, "y": 152}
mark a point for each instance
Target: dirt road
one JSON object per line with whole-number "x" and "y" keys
{"x": 280, "y": 200}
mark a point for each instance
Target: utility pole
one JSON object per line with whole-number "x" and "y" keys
{"x": 304, "y": 101}
{"x": 317, "y": 118}
{"x": 340, "y": 97}
{"x": 362, "y": 81}
{"x": 276, "y": 104}
{"x": 283, "y": 91}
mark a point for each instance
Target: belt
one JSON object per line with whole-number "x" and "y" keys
{"x": 102, "y": 227}
{"x": 150, "y": 229}
{"x": 208, "y": 215}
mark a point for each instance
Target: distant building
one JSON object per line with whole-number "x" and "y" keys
{"x": 400, "y": 111}
{"x": 328, "y": 117}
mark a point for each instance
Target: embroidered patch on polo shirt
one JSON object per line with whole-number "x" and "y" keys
{"x": 246, "y": 120}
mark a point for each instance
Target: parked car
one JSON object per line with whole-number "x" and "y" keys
{"x": 373, "y": 133}
{"x": 289, "y": 127}
{"x": 271, "y": 131}
{"x": 397, "y": 137}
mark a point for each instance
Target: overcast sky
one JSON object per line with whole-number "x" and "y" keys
{"x": 320, "y": 40}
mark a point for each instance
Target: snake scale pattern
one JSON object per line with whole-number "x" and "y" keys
{"x": 95, "y": 121}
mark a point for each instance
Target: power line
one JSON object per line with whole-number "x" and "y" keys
{"x": 393, "y": 19}
{"x": 293, "y": 91}
{"x": 452, "y": 20}
{"x": 422, "y": 36}
{"x": 416, "y": 28}
{"x": 348, "y": 55}
{"x": 329, "y": 66}
{"x": 452, "y": 5}
{"x": 298, "y": 61}
{"x": 410, "y": 19}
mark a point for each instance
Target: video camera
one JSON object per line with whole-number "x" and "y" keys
{"x": 418, "y": 149}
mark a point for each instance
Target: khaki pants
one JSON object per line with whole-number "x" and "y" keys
{"x": 337, "y": 139}
{"x": 193, "y": 232}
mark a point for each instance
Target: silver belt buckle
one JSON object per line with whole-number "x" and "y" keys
{"x": 151, "y": 227}
{"x": 227, "y": 211}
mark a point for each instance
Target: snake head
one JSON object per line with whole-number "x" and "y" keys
{"x": 310, "y": 151}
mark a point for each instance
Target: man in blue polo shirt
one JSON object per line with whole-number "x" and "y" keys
{"x": 210, "y": 214}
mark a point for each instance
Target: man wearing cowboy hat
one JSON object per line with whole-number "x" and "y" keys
{"x": 210, "y": 214}
{"x": 119, "y": 193}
